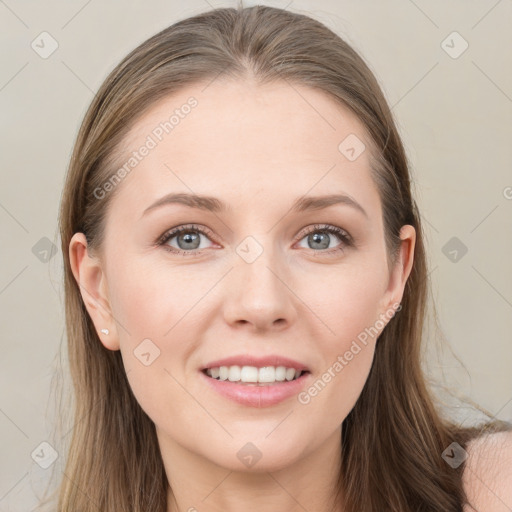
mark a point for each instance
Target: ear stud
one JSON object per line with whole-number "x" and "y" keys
{"x": 104, "y": 331}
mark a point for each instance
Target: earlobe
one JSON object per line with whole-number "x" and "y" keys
{"x": 90, "y": 277}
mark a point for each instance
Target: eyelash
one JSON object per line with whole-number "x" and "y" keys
{"x": 343, "y": 235}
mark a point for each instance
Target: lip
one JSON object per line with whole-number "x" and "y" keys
{"x": 247, "y": 360}
{"x": 257, "y": 396}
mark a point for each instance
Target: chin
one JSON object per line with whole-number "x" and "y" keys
{"x": 258, "y": 456}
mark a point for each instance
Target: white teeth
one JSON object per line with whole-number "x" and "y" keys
{"x": 268, "y": 374}
{"x": 248, "y": 374}
{"x": 234, "y": 373}
{"x": 280, "y": 373}
{"x": 290, "y": 374}
{"x": 265, "y": 374}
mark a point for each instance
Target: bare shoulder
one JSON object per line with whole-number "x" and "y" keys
{"x": 487, "y": 476}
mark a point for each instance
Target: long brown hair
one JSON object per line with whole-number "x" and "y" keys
{"x": 393, "y": 439}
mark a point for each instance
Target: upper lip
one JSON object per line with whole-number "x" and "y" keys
{"x": 248, "y": 360}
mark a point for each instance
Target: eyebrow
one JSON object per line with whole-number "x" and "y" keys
{"x": 213, "y": 204}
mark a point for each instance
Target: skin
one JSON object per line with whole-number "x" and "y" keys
{"x": 258, "y": 148}
{"x": 488, "y": 473}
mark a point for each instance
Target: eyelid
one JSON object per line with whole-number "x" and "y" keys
{"x": 340, "y": 232}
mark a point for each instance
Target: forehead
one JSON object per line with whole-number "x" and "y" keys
{"x": 246, "y": 143}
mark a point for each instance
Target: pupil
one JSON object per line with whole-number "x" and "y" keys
{"x": 325, "y": 243}
{"x": 190, "y": 238}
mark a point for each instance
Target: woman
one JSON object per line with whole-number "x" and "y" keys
{"x": 246, "y": 284}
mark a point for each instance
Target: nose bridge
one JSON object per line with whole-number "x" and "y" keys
{"x": 260, "y": 296}
{"x": 258, "y": 263}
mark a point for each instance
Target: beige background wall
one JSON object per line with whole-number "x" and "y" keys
{"x": 454, "y": 111}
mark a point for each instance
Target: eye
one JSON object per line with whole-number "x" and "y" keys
{"x": 320, "y": 236}
{"x": 187, "y": 237}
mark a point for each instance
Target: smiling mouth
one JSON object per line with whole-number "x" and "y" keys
{"x": 254, "y": 376}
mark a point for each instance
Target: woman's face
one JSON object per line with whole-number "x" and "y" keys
{"x": 258, "y": 278}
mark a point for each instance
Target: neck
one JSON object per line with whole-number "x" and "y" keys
{"x": 199, "y": 485}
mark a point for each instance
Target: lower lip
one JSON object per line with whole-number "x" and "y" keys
{"x": 257, "y": 396}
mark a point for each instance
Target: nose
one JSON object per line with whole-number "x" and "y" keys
{"x": 259, "y": 294}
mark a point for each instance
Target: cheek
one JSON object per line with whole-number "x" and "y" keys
{"x": 350, "y": 312}
{"x": 154, "y": 309}
{"x": 348, "y": 358}
{"x": 150, "y": 299}
{"x": 351, "y": 305}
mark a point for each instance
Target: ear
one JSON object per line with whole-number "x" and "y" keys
{"x": 91, "y": 278}
{"x": 402, "y": 268}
